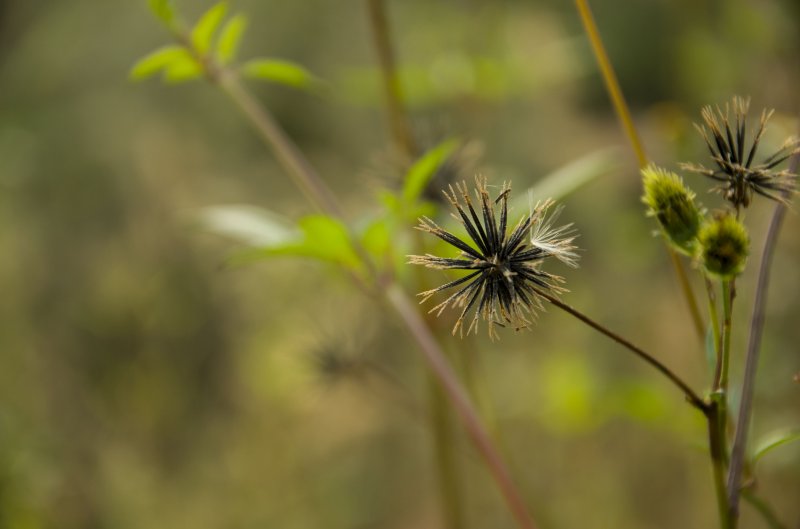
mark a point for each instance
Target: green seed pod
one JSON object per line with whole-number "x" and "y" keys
{"x": 672, "y": 204}
{"x": 724, "y": 245}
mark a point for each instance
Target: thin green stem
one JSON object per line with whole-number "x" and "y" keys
{"x": 713, "y": 316}
{"x": 393, "y": 93}
{"x": 691, "y": 396}
{"x": 624, "y": 115}
{"x": 764, "y": 509}
{"x": 716, "y": 442}
{"x": 721, "y": 382}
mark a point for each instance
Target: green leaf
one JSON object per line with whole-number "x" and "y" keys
{"x": 204, "y": 30}
{"x": 163, "y": 10}
{"x": 269, "y": 235}
{"x": 229, "y": 38}
{"x": 182, "y": 70}
{"x": 424, "y": 170}
{"x": 773, "y": 441}
{"x": 568, "y": 178}
{"x": 377, "y": 237}
{"x": 279, "y": 71}
{"x": 158, "y": 61}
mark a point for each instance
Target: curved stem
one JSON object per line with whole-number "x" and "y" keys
{"x": 693, "y": 398}
{"x": 753, "y": 348}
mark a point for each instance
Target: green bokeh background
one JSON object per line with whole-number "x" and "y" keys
{"x": 145, "y": 383}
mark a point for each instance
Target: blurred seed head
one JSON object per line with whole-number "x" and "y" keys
{"x": 739, "y": 178}
{"x": 672, "y": 204}
{"x": 723, "y": 246}
{"x": 505, "y": 268}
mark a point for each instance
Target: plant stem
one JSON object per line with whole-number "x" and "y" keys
{"x": 297, "y": 167}
{"x": 751, "y": 361}
{"x": 716, "y": 443}
{"x": 764, "y": 509}
{"x": 445, "y": 455}
{"x": 713, "y": 316}
{"x": 721, "y": 383}
{"x": 691, "y": 396}
{"x": 318, "y": 193}
{"x": 624, "y": 115}
{"x": 610, "y": 80}
{"x": 460, "y": 401}
{"x": 398, "y": 120}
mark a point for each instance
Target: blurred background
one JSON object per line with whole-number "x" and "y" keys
{"x": 145, "y": 383}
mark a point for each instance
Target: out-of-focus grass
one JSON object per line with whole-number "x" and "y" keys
{"x": 144, "y": 383}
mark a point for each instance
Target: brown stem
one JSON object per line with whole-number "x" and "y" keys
{"x": 753, "y": 348}
{"x": 317, "y": 191}
{"x": 460, "y": 401}
{"x": 398, "y": 120}
{"x": 693, "y": 398}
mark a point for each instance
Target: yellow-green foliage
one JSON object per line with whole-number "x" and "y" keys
{"x": 724, "y": 245}
{"x": 672, "y": 204}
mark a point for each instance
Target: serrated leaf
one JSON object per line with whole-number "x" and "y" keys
{"x": 773, "y": 441}
{"x": 229, "y": 38}
{"x": 182, "y": 70}
{"x": 279, "y": 71}
{"x": 203, "y": 31}
{"x": 424, "y": 170}
{"x": 163, "y": 10}
{"x": 158, "y": 61}
{"x": 568, "y": 178}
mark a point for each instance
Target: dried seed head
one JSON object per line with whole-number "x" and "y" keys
{"x": 739, "y": 178}
{"x": 672, "y": 204}
{"x": 723, "y": 246}
{"x": 505, "y": 273}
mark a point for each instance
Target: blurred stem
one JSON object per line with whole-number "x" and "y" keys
{"x": 691, "y": 396}
{"x": 763, "y": 508}
{"x": 446, "y": 456}
{"x": 610, "y": 80}
{"x": 318, "y": 193}
{"x": 721, "y": 380}
{"x": 398, "y": 119}
{"x": 624, "y": 115}
{"x": 751, "y": 363}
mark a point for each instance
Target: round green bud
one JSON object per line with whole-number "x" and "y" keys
{"x": 672, "y": 204}
{"x": 724, "y": 245}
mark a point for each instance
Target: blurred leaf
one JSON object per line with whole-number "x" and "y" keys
{"x": 279, "y": 71}
{"x": 568, "y": 178}
{"x": 773, "y": 441}
{"x": 157, "y": 61}
{"x": 376, "y": 238}
{"x": 204, "y": 30}
{"x": 182, "y": 70}
{"x": 424, "y": 170}
{"x": 164, "y": 10}
{"x": 229, "y": 38}
{"x": 249, "y": 225}
{"x": 315, "y": 236}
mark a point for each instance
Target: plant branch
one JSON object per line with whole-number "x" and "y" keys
{"x": 460, "y": 401}
{"x": 624, "y": 115}
{"x": 753, "y": 348}
{"x": 317, "y": 191}
{"x": 398, "y": 119}
{"x": 691, "y": 396}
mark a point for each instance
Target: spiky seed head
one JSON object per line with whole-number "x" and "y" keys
{"x": 723, "y": 246}
{"x": 739, "y": 178}
{"x": 672, "y": 204}
{"x": 505, "y": 275}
